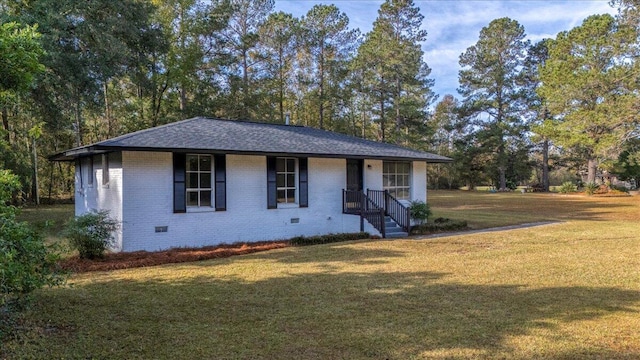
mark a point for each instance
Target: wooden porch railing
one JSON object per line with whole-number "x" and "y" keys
{"x": 392, "y": 207}
{"x": 357, "y": 203}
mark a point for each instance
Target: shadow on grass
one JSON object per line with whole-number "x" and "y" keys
{"x": 315, "y": 315}
{"x": 332, "y": 253}
{"x": 508, "y": 213}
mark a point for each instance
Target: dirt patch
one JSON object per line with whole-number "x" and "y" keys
{"x": 116, "y": 261}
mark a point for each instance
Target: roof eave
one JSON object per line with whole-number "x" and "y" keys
{"x": 73, "y": 154}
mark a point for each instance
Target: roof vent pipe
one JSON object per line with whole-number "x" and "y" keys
{"x": 287, "y": 118}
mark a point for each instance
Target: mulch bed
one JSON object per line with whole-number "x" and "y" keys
{"x": 116, "y": 261}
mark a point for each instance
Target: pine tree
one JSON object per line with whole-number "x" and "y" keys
{"x": 241, "y": 38}
{"x": 591, "y": 90}
{"x": 327, "y": 46}
{"x": 537, "y": 108}
{"x": 395, "y": 73}
{"x": 491, "y": 85}
{"x": 278, "y": 45}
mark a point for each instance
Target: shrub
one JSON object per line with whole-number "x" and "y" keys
{"x": 420, "y": 211}
{"x": 26, "y": 263}
{"x": 617, "y": 188}
{"x": 590, "y": 188}
{"x": 91, "y": 234}
{"x": 567, "y": 187}
{"x": 439, "y": 225}
{"x": 327, "y": 239}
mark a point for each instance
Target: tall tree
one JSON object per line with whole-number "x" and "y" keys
{"x": 591, "y": 90}
{"x": 20, "y": 52}
{"x": 87, "y": 44}
{"x": 490, "y": 83}
{"x": 279, "y": 43}
{"x": 396, "y": 73}
{"x": 241, "y": 37}
{"x": 537, "y": 108}
{"x": 449, "y": 129}
{"x": 328, "y": 45}
{"x": 193, "y": 31}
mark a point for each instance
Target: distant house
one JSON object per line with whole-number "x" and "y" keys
{"x": 206, "y": 181}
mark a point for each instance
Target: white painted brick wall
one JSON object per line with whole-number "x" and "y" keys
{"x": 419, "y": 181}
{"x": 148, "y": 202}
{"x": 140, "y": 194}
{"x": 101, "y": 197}
{"x": 372, "y": 175}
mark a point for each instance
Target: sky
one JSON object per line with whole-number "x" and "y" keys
{"x": 454, "y": 25}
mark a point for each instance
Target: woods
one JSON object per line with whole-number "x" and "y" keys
{"x": 76, "y": 72}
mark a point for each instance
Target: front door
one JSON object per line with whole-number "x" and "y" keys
{"x": 354, "y": 174}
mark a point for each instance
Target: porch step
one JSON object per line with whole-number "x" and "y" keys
{"x": 392, "y": 229}
{"x": 393, "y": 233}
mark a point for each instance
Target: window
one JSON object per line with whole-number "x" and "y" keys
{"x": 193, "y": 182}
{"x": 395, "y": 179}
{"x": 198, "y": 180}
{"x": 286, "y": 180}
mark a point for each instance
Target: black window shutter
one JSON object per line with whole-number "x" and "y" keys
{"x": 272, "y": 200}
{"x": 303, "y": 176}
{"x": 90, "y": 172}
{"x": 79, "y": 169}
{"x": 179, "y": 183}
{"x": 220, "y": 164}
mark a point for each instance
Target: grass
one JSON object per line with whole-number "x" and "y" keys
{"x": 569, "y": 290}
{"x": 50, "y": 219}
{"x": 484, "y": 210}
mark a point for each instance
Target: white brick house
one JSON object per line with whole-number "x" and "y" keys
{"x": 207, "y": 181}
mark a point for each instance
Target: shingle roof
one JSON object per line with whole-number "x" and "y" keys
{"x": 243, "y": 137}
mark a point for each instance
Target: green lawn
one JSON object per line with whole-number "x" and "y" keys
{"x": 50, "y": 219}
{"x": 569, "y": 290}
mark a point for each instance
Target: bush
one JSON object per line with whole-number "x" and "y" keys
{"x": 439, "y": 225}
{"x": 26, "y": 264}
{"x": 91, "y": 234}
{"x": 567, "y": 187}
{"x": 327, "y": 239}
{"x": 590, "y": 188}
{"x": 617, "y": 188}
{"x": 420, "y": 211}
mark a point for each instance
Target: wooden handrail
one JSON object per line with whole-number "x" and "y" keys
{"x": 392, "y": 207}
{"x": 358, "y": 203}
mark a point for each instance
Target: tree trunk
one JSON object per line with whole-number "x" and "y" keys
{"x": 183, "y": 99}
{"x": 281, "y": 84}
{"x": 78, "y": 124}
{"x": 382, "y": 124}
{"x": 321, "y": 64}
{"x": 51, "y": 175}
{"x": 5, "y": 124}
{"x": 245, "y": 85}
{"x": 107, "y": 110}
{"x": 364, "y": 122}
{"x": 503, "y": 179}
{"x": 545, "y": 165}
{"x": 36, "y": 194}
{"x": 396, "y": 102}
{"x": 592, "y": 167}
